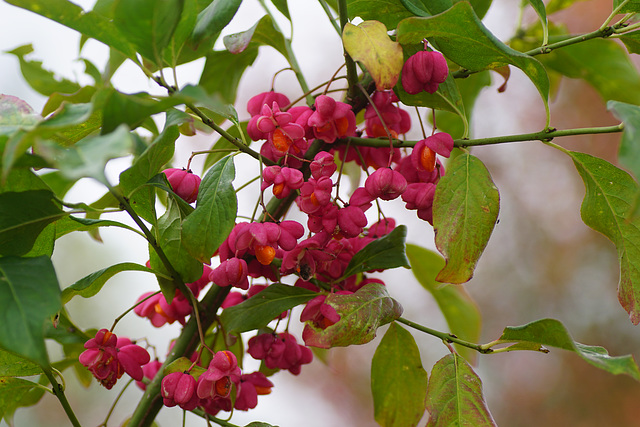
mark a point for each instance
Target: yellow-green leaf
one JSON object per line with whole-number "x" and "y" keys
{"x": 370, "y": 44}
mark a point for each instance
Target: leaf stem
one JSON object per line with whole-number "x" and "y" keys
{"x": 213, "y": 125}
{"x": 446, "y": 337}
{"x": 352, "y": 73}
{"x": 602, "y": 32}
{"x": 327, "y": 11}
{"x": 614, "y": 12}
{"x": 58, "y": 391}
{"x": 115, "y": 402}
{"x": 175, "y": 276}
{"x": 544, "y": 135}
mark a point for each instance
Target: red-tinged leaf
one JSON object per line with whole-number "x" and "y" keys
{"x": 610, "y": 194}
{"x": 370, "y": 44}
{"x": 552, "y": 333}
{"x": 454, "y": 395}
{"x": 457, "y": 307}
{"x": 465, "y": 210}
{"x": 361, "y": 314}
{"x": 398, "y": 380}
{"x": 263, "y": 33}
{"x": 16, "y": 114}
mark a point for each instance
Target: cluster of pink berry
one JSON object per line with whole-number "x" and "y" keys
{"x": 211, "y": 390}
{"x": 336, "y": 229}
{"x": 108, "y": 357}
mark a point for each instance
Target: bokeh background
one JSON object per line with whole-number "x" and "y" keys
{"x": 541, "y": 261}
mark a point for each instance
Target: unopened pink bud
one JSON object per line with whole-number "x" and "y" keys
{"x": 184, "y": 183}
{"x": 424, "y": 71}
{"x": 385, "y": 184}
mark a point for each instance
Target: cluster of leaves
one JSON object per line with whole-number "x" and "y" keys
{"x": 81, "y": 128}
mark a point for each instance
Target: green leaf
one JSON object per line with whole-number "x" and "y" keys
{"x": 454, "y": 395}
{"x": 631, "y": 41}
{"x": 282, "y": 7}
{"x": 552, "y": 333}
{"x": 361, "y": 314}
{"x": 398, "y": 380}
{"x": 224, "y": 144}
{"x": 264, "y": 32}
{"x": 90, "y": 24}
{"x": 12, "y": 365}
{"x": 71, "y": 223}
{"x": 148, "y": 24}
{"x": 381, "y": 254}
{"x": 610, "y": 193}
{"x": 146, "y": 166}
{"x": 631, "y": 6}
{"x": 23, "y": 216}
{"x": 29, "y": 295}
{"x": 215, "y": 214}
{"x": 88, "y": 157}
{"x": 465, "y": 210}
{"x": 262, "y": 308}
{"x": 199, "y": 96}
{"x": 389, "y": 12}
{"x": 433, "y": 7}
{"x": 66, "y": 115}
{"x": 41, "y": 80}
{"x": 214, "y": 18}
{"x": 169, "y": 238}
{"x": 223, "y": 70}
{"x": 30, "y": 398}
{"x": 107, "y": 200}
{"x": 133, "y": 109}
{"x": 16, "y": 114}
{"x": 455, "y": 41}
{"x": 12, "y": 390}
{"x": 259, "y": 424}
{"x": 369, "y": 43}
{"x": 90, "y": 285}
{"x": 457, "y": 307}
{"x": 45, "y": 242}
{"x": 539, "y": 7}
{"x": 55, "y": 101}
{"x": 629, "y": 151}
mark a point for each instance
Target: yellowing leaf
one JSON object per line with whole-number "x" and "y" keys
{"x": 370, "y": 44}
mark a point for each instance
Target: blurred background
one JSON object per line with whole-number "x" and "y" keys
{"x": 541, "y": 261}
